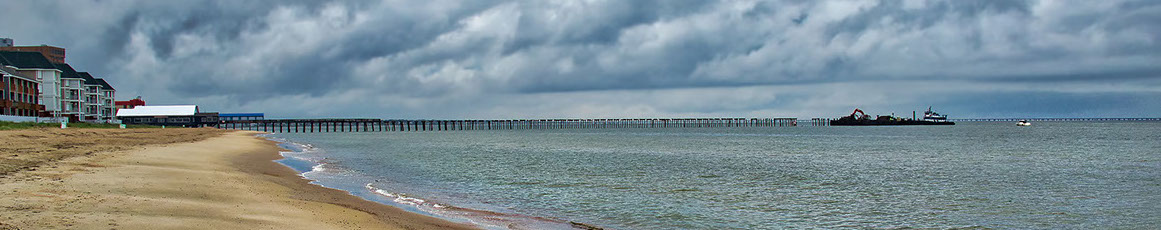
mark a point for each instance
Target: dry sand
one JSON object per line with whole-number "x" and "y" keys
{"x": 23, "y": 149}
{"x": 150, "y": 179}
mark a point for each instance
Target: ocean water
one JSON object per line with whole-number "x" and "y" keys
{"x": 1053, "y": 175}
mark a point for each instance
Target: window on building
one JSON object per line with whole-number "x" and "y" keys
{"x": 179, "y": 120}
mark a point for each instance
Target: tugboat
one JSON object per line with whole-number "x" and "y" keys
{"x": 931, "y": 115}
{"x": 859, "y": 118}
{"x": 1023, "y": 123}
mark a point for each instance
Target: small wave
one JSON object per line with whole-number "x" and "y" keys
{"x": 402, "y": 198}
{"x": 487, "y": 219}
{"x": 307, "y": 153}
{"x": 318, "y": 167}
{"x": 685, "y": 190}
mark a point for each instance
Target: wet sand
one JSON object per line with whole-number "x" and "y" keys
{"x": 157, "y": 179}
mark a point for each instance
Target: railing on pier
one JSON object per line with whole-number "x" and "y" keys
{"x": 375, "y": 125}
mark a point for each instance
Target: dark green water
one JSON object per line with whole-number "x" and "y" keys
{"x": 1053, "y": 175}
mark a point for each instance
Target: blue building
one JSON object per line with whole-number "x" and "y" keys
{"x": 241, "y": 116}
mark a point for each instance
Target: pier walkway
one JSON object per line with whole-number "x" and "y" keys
{"x": 376, "y": 125}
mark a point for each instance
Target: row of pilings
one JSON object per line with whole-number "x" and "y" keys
{"x": 375, "y": 125}
{"x": 820, "y": 121}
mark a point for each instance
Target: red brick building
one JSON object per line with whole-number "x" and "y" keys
{"x": 53, "y": 53}
{"x": 130, "y": 103}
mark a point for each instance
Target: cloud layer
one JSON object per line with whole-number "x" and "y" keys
{"x": 507, "y": 59}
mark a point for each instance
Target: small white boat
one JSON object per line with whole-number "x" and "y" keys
{"x": 1023, "y": 123}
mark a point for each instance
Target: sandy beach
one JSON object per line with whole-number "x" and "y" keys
{"x": 172, "y": 179}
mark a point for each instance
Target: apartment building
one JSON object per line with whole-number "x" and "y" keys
{"x": 72, "y": 91}
{"x": 97, "y": 99}
{"x": 19, "y": 93}
{"x": 38, "y": 68}
{"x": 108, "y": 99}
{"x": 84, "y": 97}
{"x": 63, "y": 91}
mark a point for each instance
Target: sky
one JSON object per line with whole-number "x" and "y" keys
{"x": 480, "y": 59}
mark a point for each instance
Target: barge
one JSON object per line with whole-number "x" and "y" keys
{"x": 859, "y": 118}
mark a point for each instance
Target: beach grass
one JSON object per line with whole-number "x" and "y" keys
{"x": 8, "y": 125}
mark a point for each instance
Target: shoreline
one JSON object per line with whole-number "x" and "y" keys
{"x": 292, "y": 158}
{"x": 266, "y": 164}
{"x": 230, "y": 181}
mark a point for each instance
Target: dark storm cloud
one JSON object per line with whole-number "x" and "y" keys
{"x": 465, "y": 54}
{"x": 224, "y": 22}
{"x": 928, "y": 17}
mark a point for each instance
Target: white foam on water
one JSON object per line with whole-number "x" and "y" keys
{"x": 319, "y": 167}
{"x": 308, "y": 153}
{"x": 402, "y": 198}
{"x": 485, "y": 219}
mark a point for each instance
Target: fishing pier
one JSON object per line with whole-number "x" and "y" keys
{"x": 377, "y": 125}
